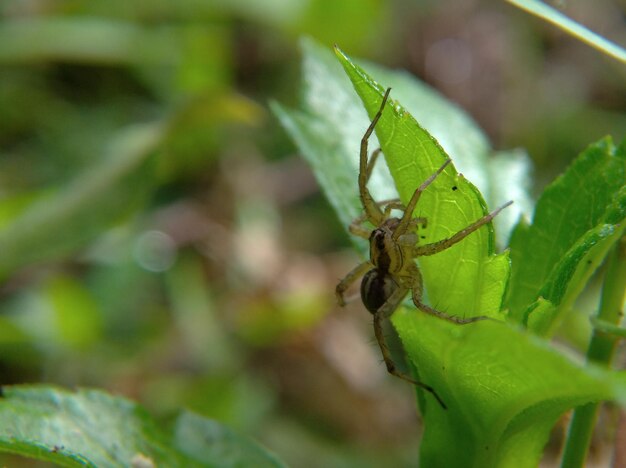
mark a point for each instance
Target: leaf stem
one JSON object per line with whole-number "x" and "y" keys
{"x": 601, "y": 350}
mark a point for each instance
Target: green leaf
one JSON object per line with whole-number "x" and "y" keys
{"x": 577, "y": 219}
{"x": 93, "y": 428}
{"x": 577, "y": 30}
{"x": 466, "y": 279}
{"x": 85, "y": 428}
{"x": 504, "y": 390}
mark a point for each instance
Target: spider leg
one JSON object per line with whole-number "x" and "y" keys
{"x": 371, "y": 162}
{"x": 356, "y": 226}
{"x": 409, "y": 238}
{"x": 410, "y": 207}
{"x": 389, "y": 205}
{"x": 372, "y": 210}
{"x": 395, "y": 203}
{"x": 350, "y": 278}
{"x": 417, "y": 289}
{"x": 435, "y": 247}
{"x": 385, "y": 311}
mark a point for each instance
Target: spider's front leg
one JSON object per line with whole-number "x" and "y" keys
{"x": 373, "y": 212}
{"x": 407, "y": 218}
{"x": 385, "y": 311}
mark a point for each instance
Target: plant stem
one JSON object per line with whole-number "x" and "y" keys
{"x": 600, "y": 351}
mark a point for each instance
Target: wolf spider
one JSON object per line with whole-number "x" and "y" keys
{"x": 391, "y": 271}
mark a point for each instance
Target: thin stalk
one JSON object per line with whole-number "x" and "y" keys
{"x": 600, "y": 351}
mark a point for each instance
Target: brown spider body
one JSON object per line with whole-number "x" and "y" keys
{"x": 391, "y": 271}
{"x": 387, "y": 257}
{"x": 385, "y": 252}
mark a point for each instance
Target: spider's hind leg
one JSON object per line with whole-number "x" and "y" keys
{"x": 384, "y": 312}
{"x": 417, "y": 289}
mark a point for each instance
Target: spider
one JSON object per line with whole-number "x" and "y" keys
{"x": 391, "y": 271}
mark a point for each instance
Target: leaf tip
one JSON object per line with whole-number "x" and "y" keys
{"x": 340, "y": 53}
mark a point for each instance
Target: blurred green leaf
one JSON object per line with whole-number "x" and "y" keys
{"x": 88, "y": 40}
{"x": 577, "y": 219}
{"x": 198, "y": 129}
{"x": 10, "y": 333}
{"x": 348, "y": 22}
{"x": 577, "y": 30}
{"x": 77, "y": 316}
{"x": 202, "y": 439}
{"x": 172, "y": 59}
{"x": 92, "y": 428}
{"x": 328, "y": 129}
{"x": 195, "y": 315}
{"x": 60, "y": 223}
{"x": 12, "y": 206}
{"x": 84, "y": 428}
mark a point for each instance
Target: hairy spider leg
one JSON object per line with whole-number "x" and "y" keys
{"x": 407, "y": 222}
{"x": 435, "y": 247}
{"x": 410, "y": 207}
{"x": 417, "y": 290}
{"x": 356, "y": 226}
{"x": 372, "y": 162}
{"x": 356, "y": 273}
{"x": 417, "y": 287}
{"x": 372, "y": 210}
{"x": 383, "y": 313}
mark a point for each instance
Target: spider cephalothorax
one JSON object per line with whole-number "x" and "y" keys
{"x": 391, "y": 271}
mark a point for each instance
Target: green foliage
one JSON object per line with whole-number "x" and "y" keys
{"x": 577, "y": 219}
{"x": 93, "y": 428}
{"x": 58, "y": 223}
{"x": 155, "y": 243}
{"x": 504, "y": 388}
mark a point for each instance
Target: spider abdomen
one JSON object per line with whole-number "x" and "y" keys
{"x": 376, "y": 287}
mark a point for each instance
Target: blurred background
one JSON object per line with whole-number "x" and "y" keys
{"x": 160, "y": 237}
